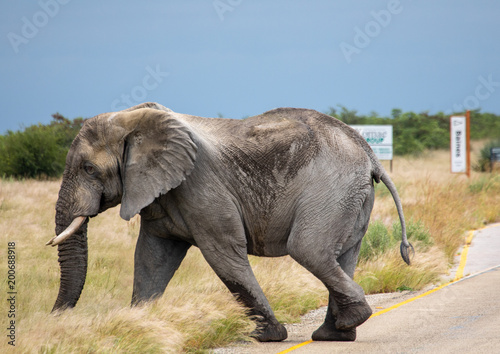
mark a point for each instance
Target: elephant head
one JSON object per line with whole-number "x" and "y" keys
{"x": 128, "y": 157}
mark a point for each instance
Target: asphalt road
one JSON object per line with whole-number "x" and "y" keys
{"x": 462, "y": 317}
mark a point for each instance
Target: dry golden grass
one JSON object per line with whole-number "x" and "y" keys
{"x": 197, "y": 312}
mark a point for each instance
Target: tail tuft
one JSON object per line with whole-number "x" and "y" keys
{"x": 405, "y": 252}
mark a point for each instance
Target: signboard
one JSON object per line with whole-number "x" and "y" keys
{"x": 494, "y": 156}
{"x": 458, "y": 144}
{"x": 379, "y": 137}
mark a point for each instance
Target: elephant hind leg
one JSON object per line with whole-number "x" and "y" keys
{"x": 328, "y": 331}
{"x": 349, "y": 307}
{"x": 329, "y": 250}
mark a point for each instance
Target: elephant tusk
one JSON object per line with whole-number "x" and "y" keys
{"x": 70, "y": 230}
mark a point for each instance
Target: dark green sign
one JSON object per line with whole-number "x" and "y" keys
{"x": 495, "y": 154}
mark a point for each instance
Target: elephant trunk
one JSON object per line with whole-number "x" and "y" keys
{"x": 73, "y": 256}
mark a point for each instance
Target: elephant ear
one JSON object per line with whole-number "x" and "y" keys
{"x": 159, "y": 153}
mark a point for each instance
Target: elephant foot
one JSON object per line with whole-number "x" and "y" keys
{"x": 327, "y": 333}
{"x": 352, "y": 315}
{"x": 270, "y": 333}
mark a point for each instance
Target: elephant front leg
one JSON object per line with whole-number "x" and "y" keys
{"x": 268, "y": 328}
{"x": 231, "y": 265}
{"x": 155, "y": 262}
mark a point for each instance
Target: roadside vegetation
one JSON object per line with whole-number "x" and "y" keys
{"x": 39, "y": 151}
{"x": 197, "y": 312}
{"x": 415, "y": 133}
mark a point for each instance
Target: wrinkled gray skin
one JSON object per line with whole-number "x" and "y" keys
{"x": 289, "y": 181}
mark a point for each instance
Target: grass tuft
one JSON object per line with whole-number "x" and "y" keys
{"x": 376, "y": 241}
{"x": 390, "y": 273}
{"x": 485, "y": 184}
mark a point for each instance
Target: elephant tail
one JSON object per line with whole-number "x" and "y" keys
{"x": 406, "y": 248}
{"x": 379, "y": 174}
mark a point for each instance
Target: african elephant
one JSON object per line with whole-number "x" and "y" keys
{"x": 289, "y": 181}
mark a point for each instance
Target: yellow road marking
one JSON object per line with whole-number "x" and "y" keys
{"x": 296, "y": 347}
{"x": 378, "y": 313}
{"x": 463, "y": 258}
{"x": 458, "y": 276}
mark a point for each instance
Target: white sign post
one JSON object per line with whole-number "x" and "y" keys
{"x": 459, "y": 144}
{"x": 379, "y": 137}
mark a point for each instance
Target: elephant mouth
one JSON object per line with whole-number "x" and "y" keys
{"x": 70, "y": 230}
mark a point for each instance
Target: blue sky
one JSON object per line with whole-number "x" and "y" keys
{"x": 240, "y": 57}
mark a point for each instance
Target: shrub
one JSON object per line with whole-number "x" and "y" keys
{"x": 484, "y": 125}
{"x": 415, "y": 232}
{"x": 35, "y": 152}
{"x": 376, "y": 241}
{"x": 39, "y": 150}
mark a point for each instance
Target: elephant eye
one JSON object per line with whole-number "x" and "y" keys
{"x": 89, "y": 168}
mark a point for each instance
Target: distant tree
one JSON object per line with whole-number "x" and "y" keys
{"x": 349, "y": 116}
{"x": 396, "y": 112}
{"x": 34, "y": 152}
{"x": 39, "y": 150}
{"x": 66, "y": 129}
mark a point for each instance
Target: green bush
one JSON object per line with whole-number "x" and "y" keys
{"x": 415, "y": 231}
{"x": 39, "y": 150}
{"x": 376, "y": 241}
{"x": 484, "y": 125}
{"x": 32, "y": 153}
